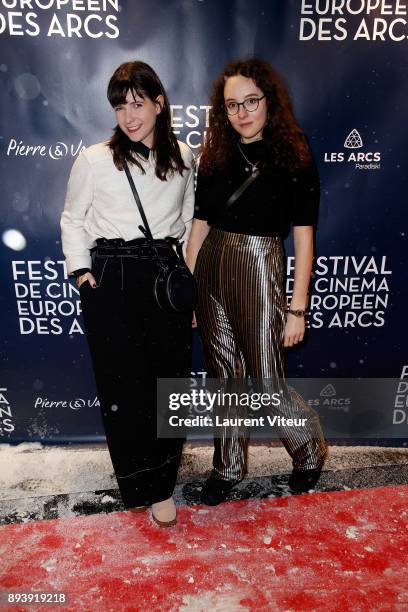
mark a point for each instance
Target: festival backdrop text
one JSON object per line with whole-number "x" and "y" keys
{"x": 344, "y": 64}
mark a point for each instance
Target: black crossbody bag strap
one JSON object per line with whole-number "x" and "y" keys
{"x": 174, "y": 288}
{"x": 146, "y": 229}
{"x": 234, "y": 197}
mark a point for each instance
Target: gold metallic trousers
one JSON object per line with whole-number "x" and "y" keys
{"x": 241, "y": 320}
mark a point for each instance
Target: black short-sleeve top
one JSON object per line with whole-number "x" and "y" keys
{"x": 277, "y": 199}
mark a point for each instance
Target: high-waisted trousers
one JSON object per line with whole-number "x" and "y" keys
{"x": 241, "y": 318}
{"x": 132, "y": 343}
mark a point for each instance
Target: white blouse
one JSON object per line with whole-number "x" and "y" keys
{"x": 100, "y": 204}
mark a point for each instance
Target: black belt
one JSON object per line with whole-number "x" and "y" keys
{"x": 140, "y": 248}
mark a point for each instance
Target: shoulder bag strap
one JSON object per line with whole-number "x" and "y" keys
{"x": 146, "y": 229}
{"x": 234, "y": 197}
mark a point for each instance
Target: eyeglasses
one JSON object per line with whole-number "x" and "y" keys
{"x": 250, "y": 105}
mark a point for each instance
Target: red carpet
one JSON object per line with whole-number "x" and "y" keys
{"x": 324, "y": 551}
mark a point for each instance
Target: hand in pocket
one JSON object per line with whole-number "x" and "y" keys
{"x": 88, "y": 276}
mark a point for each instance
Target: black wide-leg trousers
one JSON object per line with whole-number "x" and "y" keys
{"x": 241, "y": 319}
{"x": 132, "y": 343}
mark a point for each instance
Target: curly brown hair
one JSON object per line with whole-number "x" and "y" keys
{"x": 286, "y": 144}
{"x": 140, "y": 78}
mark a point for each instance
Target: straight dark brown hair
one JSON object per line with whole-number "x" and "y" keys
{"x": 141, "y": 80}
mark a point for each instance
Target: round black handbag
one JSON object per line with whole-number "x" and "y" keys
{"x": 174, "y": 288}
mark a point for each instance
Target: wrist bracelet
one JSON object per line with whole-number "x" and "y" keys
{"x": 297, "y": 313}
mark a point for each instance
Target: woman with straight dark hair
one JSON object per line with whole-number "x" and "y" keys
{"x": 132, "y": 340}
{"x": 256, "y": 178}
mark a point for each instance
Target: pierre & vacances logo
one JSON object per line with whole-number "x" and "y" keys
{"x": 74, "y": 404}
{"x": 56, "y": 150}
{"x": 355, "y": 153}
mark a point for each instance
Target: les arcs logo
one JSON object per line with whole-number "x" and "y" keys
{"x": 363, "y": 159}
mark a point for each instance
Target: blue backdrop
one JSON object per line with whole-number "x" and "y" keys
{"x": 346, "y": 71}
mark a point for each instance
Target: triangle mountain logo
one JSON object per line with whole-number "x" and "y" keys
{"x": 353, "y": 140}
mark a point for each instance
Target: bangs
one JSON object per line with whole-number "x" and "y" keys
{"x": 118, "y": 91}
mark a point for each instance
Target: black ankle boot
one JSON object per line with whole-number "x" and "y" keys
{"x": 301, "y": 481}
{"x": 216, "y": 491}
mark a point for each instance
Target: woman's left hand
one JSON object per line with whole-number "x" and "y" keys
{"x": 294, "y": 330}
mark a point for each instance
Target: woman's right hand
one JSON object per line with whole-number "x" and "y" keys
{"x": 194, "y": 321}
{"x": 88, "y": 276}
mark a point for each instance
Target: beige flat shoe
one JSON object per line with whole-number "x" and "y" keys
{"x": 137, "y": 509}
{"x": 165, "y": 523}
{"x": 164, "y": 513}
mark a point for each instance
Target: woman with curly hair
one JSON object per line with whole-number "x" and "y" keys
{"x": 256, "y": 178}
